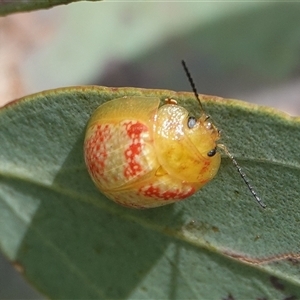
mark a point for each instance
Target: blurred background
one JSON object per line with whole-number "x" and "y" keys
{"x": 244, "y": 50}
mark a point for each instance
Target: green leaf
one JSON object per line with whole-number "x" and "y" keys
{"x": 8, "y": 7}
{"x": 72, "y": 242}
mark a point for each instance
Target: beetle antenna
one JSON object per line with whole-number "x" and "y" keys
{"x": 243, "y": 175}
{"x": 239, "y": 169}
{"x": 191, "y": 81}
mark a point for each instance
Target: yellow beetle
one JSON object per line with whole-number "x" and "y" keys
{"x": 141, "y": 155}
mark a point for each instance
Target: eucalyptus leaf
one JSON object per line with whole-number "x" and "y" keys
{"x": 9, "y": 7}
{"x": 70, "y": 241}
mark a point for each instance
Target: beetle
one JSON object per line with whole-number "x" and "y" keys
{"x": 143, "y": 155}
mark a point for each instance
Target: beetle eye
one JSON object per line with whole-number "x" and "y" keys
{"x": 212, "y": 152}
{"x": 191, "y": 122}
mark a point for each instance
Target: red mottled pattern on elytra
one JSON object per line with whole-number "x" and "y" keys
{"x": 118, "y": 153}
{"x": 167, "y": 193}
{"x": 96, "y": 151}
{"x": 133, "y": 151}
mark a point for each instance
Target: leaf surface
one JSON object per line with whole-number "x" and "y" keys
{"x": 8, "y": 7}
{"x": 72, "y": 242}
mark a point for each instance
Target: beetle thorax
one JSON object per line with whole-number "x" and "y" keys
{"x": 181, "y": 150}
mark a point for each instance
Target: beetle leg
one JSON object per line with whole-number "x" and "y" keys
{"x": 170, "y": 101}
